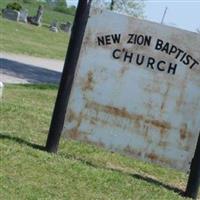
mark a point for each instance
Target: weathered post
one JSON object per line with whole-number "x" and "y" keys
{"x": 194, "y": 177}
{"x": 66, "y": 82}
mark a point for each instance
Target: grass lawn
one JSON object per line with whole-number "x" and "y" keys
{"x": 31, "y": 40}
{"x": 78, "y": 171}
{"x": 48, "y": 16}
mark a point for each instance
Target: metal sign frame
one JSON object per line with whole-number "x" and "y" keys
{"x": 57, "y": 122}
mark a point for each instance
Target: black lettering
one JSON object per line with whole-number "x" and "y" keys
{"x": 173, "y": 49}
{"x": 158, "y": 65}
{"x": 183, "y": 57}
{"x": 107, "y": 37}
{"x": 128, "y": 56}
{"x": 159, "y": 44}
{"x": 147, "y": 40}
{"x": 166, "y": 47}
{"x": 187, "y": 61}
{"x": 140, "y": 39}
{"x": 115, "y": 53}
{"x": 139, "y": 62}
{"x": 194, "y": 63}
{"x": 101, "y": 40}
{"x": 130, "y": 40}
{"x": 179, "y": 52}
{"x": 116, "y": 38}
{"x": 172, "y": 68}
{"x": 150, "y": 62}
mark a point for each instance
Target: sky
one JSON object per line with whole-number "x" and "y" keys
{"x": 184, "y": 14}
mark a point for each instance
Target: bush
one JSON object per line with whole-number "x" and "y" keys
{"x": 28, "y": 1}
{"x": 62, "y": 9}
{"x": 14, "y": 6}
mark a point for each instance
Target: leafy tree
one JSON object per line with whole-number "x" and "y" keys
{"x": 61, "y": 3}
{"x": 130, "y": 7}
{"x": 57, "y": 3}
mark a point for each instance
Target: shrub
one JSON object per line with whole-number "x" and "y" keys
{"x": 28, "y": 1}
{"x": 14, "y": 6}
{"x": 62, "y": 9}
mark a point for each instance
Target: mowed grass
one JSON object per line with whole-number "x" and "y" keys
{"x": 78, "y": 171}
{"x": 48, "y": 16}
{"x": 31, "y": 40}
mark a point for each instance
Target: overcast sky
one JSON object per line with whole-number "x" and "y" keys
{"x": 180, "y": 13}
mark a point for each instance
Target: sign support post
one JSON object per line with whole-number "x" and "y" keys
{"x": 66, "y": 82}
{"x": 194, "y": 177}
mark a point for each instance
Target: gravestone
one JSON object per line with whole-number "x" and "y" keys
{"x": 36, "y": 20}
{"x": 23, "y": 16}
{"x": 54, "y": 26}
{"x": 11, "y": 14}
{"x": 66, "y": 27}
{"x": 1, "y": 89}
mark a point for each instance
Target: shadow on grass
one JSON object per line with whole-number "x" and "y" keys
{"x": 21, "y": 141}
{"x": 136, "y": 176}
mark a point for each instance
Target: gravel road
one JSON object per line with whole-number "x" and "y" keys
{"x": 15, "y": 68}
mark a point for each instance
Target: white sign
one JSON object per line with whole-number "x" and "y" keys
{"x": 137, "y": 90}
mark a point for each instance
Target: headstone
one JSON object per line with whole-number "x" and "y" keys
{"x": 54, "y": 26}
{"x": 11, "y": 14}
{"x": 36, "y": 20}
{"x": 23, "y": 16}
{"x": 66, "y": 27}
{"x": 1, "y": 90}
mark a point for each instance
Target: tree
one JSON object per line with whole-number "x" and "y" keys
{"x": 57, "y": 3}
{"x": 130, "y": 7}
{"x": 61, "y": 3}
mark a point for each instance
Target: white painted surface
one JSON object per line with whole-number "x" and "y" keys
{"x": 133, "y": 109}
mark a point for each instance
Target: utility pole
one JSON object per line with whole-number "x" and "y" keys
{"x": 164, "y": 14}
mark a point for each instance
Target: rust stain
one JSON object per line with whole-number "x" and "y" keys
{"x": 89, "y": 83}
{"x": 183, "y": 132}
{"x": 152, "y": 156}
{"x": 131, "y": 151}
{"x": 73, "y": 134}
{"x": 96, "y": 143}
{"x": 123, "y": 70}
{"x": 157, "y": 123}
{"x": 113, "y": 111}
{"x": 92, "y": 121}
{"x": 71, "y": 116}
{"x": 165, "y": 97}
{"x": 163, "y": 132}
{"x": 155, "y": 158}
{"x": 182, "y": 92}
{"x": 163, "y": 144}
{"x": 125, "y": 114}
{"x": 146, "y": 131}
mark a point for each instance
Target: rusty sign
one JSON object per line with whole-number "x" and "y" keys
{"x": 137, "y": 90}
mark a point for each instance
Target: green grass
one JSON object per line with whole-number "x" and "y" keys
{"x": 31, "y": 40}
{"x": 48, "y": 16}
{"x": 78, "y": 171}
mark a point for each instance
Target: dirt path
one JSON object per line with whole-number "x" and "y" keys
{"x": 15, "y": 68}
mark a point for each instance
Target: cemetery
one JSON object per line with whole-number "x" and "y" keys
{"x": 122, "y": 121}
